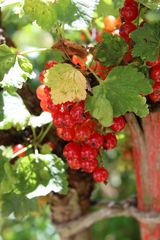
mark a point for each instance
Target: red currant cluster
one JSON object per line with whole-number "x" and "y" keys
{"x": 155, "y": 75}
{"x": 128, "y": 13}
{"x": 85, "y": 135}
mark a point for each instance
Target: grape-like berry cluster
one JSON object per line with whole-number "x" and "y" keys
{"x": 85, "y": 135}
{"x": 155, "y": 75}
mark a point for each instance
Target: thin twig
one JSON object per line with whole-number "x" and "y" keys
{"x": 109, "y": 210}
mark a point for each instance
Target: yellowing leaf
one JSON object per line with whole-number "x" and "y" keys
{"x": 66, "y": 83}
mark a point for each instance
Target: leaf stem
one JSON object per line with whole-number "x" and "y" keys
{"x": 45, "y": 132}
{"x": 34, "y": 51}
{"x": 95, "y": 75}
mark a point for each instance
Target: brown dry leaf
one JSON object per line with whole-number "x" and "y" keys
{"x": 70, "y": 48}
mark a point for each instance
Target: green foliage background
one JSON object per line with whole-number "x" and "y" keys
{"x": 27, "y": 36}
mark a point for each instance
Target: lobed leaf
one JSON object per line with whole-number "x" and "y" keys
{"x": 147, "y": 44}
{"x": 111, "y": 50}
{"x": 66, "y": 83}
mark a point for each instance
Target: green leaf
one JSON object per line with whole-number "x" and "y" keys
{"x": 17, "y": 75}
{"x": 48, "y": 12}
{"x": 45, "y": 172}
{"x": 124, "y": 87}
{"x": 66, "y": 11}
{"x": 15, "y": 113}
{"x": 106, "y": 7}
{"x": 41, "y": 11}
{"x": 111, "y": 50}
{"x": 120, "y": 93}
{"x": 1, "y": 106}
{"x": 2, "y": 162}
{"x": 147, "y": 43}
{"x": 66, "y": 83}
{"x": 7, "y": 59}
{"x": 25, "y": 64}
{"x": 7, "y": 178}
{"x": 17, "y": 204}
{"x": 99, "y": 106}
{"x": 154, "y": 4}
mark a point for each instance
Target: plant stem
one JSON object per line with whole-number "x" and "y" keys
{"x": 95, "y": 75}
{"x": 45, "y": 132}
{"x": 34, "y": 51}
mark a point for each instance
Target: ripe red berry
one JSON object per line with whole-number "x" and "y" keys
{"x": 153, "y": 63}
{"x": 40, "y": 92}
{"x": 68, "y": 120}
{"x": 155, "y": 73}
{"x": 66, "y": 134}
{"x": 100, "y": 174}
{"x": 127, "y": 58}
{"x": 129, "y": 12}
{"x": 127, "y": 28}
{"x": 95, "y": 140}
{"x": 50, "y": 64}
{"x": 119, "y": 124}
{"x": 58, "y": 119}
{"x": 74, "y": 163}
{"x": 82, "y": 132}
{"x": 88, "y": 152}
{"x": 72, "y": 150}
{"x": 155, "y": 95}
{"x": 77, "y": 112}
{"x": 89, "y": 165}
{"x": 17, "y": 148}
{"x": 130, "y": 3}
{"x": 42, "y": 76}
{"x": 44, "y": 105}
{"x": 110, "y": 141}
{"x": 67, "y": 106}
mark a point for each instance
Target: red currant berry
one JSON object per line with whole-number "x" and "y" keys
{"x": 128, "y": 57}
{"x": 72, "y": 151}
{"x": 95, "y": 140}
{"x": 130, "y": 3}
{"x": 42, "y": 76}
{"x": 155, "y": 95}
{"x": 88, "y": 152}
{"x": 119, "y": 124}
{"x": 44, "y": 105}
{"x": 74, "y": 164}
{"x": 58, "y": 119}
{"x": 100, "y": 174}
{"x": 82, "y": 132}
{"x": 153, "y": 63}
{"x": 17, "y": 148}
{"x": 40, "y": 92}
{"x": 129, "y": 12}
{"x": 89, "y": 165}
{"x": 110, "y": 141}
{"x": 77, "y": 112}
{"x": 67, "y": 106}
{"x": 68, "y": 120}
{"x": 50, "y": 64}
{"x": 155, "y": 73}
{"x": 127, "y": 28}
{"x": 66, "y": 134}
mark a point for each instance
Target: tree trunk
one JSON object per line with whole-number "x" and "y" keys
{"x": 146, "y": 151}
{"x": 76, "y": 203}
